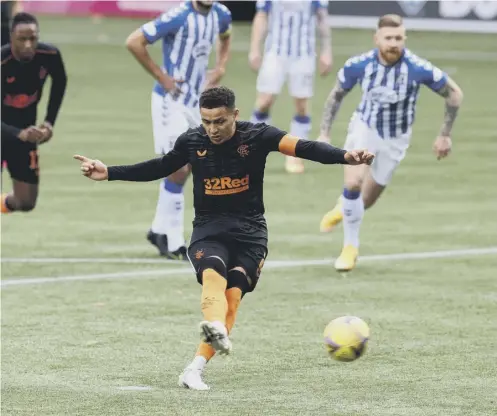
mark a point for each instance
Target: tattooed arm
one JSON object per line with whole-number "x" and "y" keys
{"x": 453, "y": 99}
{"x": 331, "y": 107}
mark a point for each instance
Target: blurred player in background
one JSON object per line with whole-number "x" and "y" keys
{"x": 26, "y": 63}
{"x": 9, "y": 9}
{"x": 289, "y": 55}
{"x": 229, "y": 242}
{"x": 188, "y": 33}
{"x": 390, "y": 77}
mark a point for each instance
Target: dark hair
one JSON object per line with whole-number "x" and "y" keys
{"x": 217, "y": 97}
{"x": 23, "y": 18}
{"x": 390, "y": 20}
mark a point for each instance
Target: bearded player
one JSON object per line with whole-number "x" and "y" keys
{"x": 390, "y": 77}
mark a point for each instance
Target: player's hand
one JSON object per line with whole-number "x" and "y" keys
{"x": 255, "y": 60}
{"x": 213, "y": 77}
{"x": 325, "y": 64}
{"x": 92, "y": 168}
{"x": 442, "y": 146}
{"x": 359, "y": 157}
{"x": 173, "y": 86}
{"x": 31, "y": 134}
{"x": 47, "y": 130}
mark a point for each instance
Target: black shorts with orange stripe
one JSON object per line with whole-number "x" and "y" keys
{"x": 242, "y": 244}
{"x": 22, "y": 160}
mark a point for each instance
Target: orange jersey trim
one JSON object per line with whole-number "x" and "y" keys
{"x": 288, "y": 145}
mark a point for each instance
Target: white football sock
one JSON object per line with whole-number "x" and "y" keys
{"x": 198, "y": 363}
{"x": 353, "y": 212}
{"x": 300, "y": 127}
{"x": 260, "y": 117}
{"x": 159, "y": 225}
{"x": 174, "y": 214}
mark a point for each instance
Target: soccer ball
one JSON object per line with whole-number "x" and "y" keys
{"x": 346, "y": 338}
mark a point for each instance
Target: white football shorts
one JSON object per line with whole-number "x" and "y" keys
{"x": 388, "y": 152}
{"x": 170, "y": 119}
{"x": 297, "y": 72}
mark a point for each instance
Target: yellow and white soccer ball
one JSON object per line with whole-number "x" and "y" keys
{"x": 346, "y": 338}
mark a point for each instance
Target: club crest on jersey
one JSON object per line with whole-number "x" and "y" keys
{"x": 243, "y": 150}
{"x": 202, "y": 50}
{"x": 383, "y": 95}
{"x": 43, "y": 73}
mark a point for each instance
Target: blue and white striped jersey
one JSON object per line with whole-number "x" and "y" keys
{"x": 187, "y": 40}
{"x": 390, "y": 93}
{"x": 291, "y": 26}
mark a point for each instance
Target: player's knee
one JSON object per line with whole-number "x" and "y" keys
{"x": 353, "y": 185}
{"x": 264, "y": 102}
{"x": 214, "y": 263}
{"x": 238, "y": 277}
{"x": 353, "y": 180}
{"x": 178, "y": 178}
{"x": 301, "y": 107}
{"x": 27, "y": 205}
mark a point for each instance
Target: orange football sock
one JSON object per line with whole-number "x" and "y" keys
{"x": 214, "y": 304}
{"x": 5, "y": 208}
{"x": 233, "y": 296}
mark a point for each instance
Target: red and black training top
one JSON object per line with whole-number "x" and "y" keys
{"x": 22, "y": 86}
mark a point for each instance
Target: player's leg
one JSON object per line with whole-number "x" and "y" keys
{"x": 270, "y": 80}
{"x": 351, "y": 205}
{"x": 22, "y": 163}
{"x": 209, "y": 260}
{"x": 301, "y": 88}
{"x": 357, "y": 137}
{"x": 167, "y": 230}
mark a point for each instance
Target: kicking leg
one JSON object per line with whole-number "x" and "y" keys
{"x": 192, "y": 375}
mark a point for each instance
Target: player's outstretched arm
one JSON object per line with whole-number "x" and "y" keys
{"x": 331, "y": 107}
{"x": 453, "y": 99}
{"x": 149, "y": 170}
{"x": 322, "y": 152}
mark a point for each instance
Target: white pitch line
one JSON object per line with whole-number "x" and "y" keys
{"x": 276, "y": 264}
{"x": 138, "y": 260}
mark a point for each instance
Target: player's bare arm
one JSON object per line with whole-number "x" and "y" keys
{"x": 453, "y": 99}
{"x": 223, "y": 48}
{"x": 324, "y": 31}
{"x": 137, "y": 44}
{"x": 322, "y": 152}
{"x": 259, "y": 30}
{"x": 331, "y": 107}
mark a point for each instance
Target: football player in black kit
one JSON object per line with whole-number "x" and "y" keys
{"x": 229, "y": 241}
{"x": 26, "y": 64}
